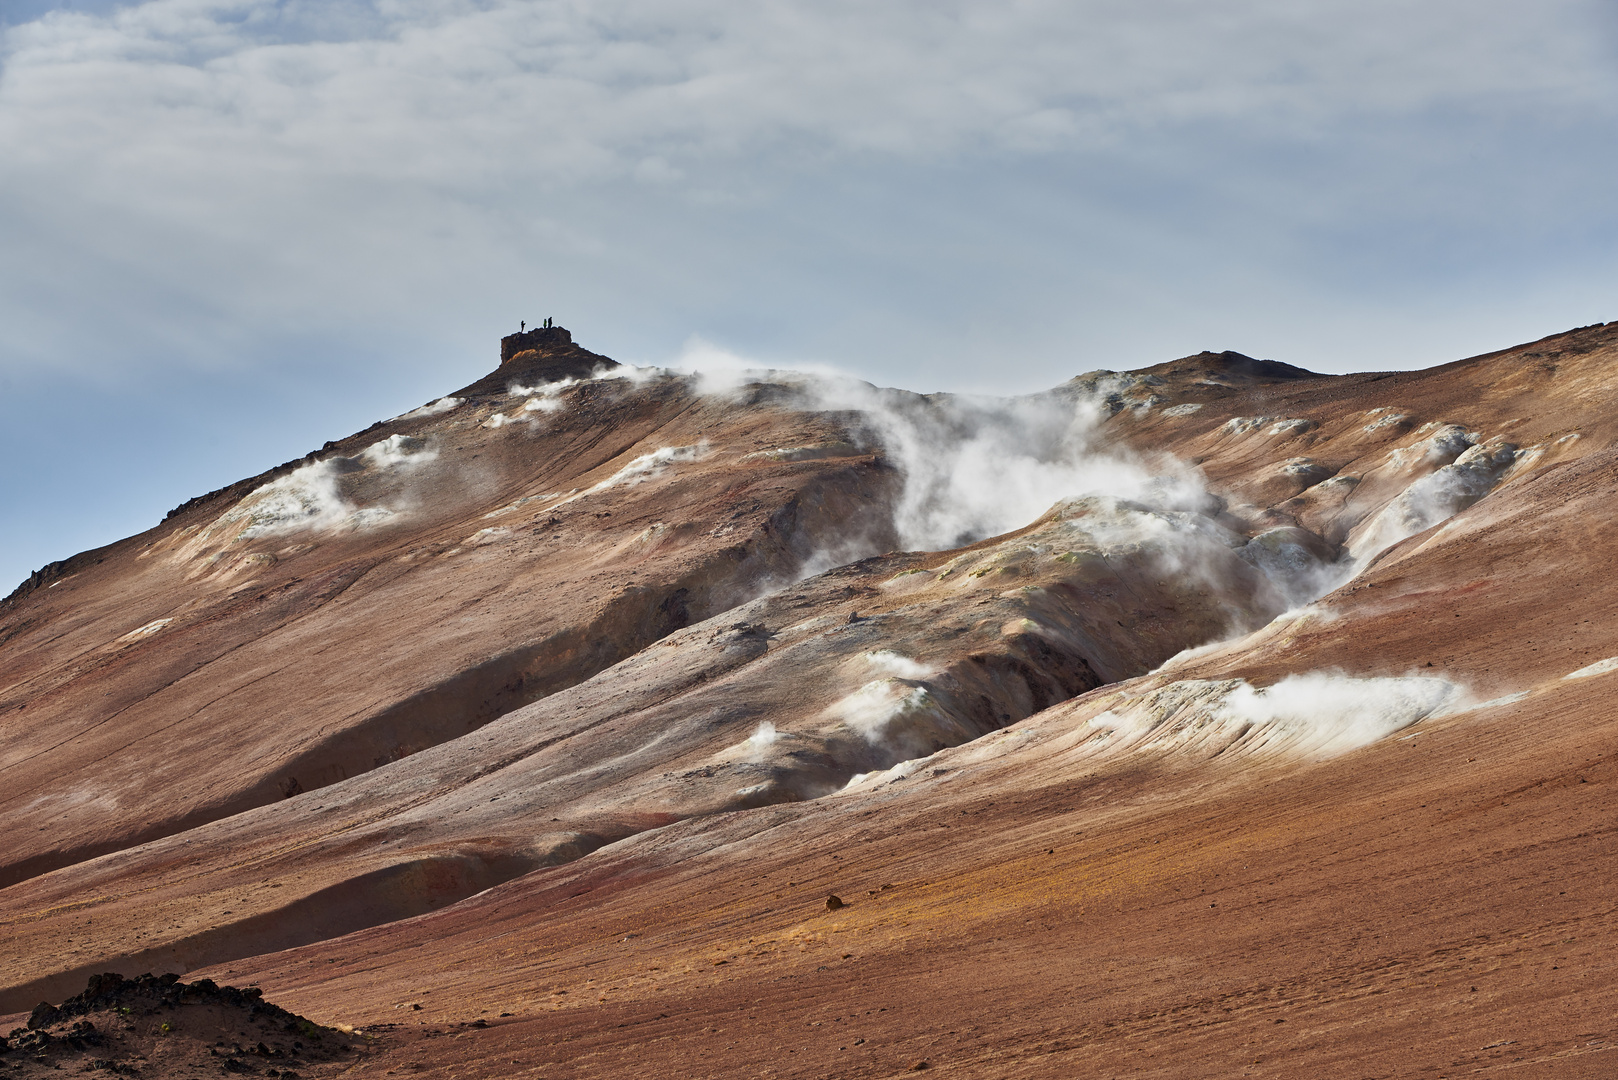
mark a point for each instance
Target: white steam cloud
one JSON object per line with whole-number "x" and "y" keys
{"x": 306, "y": 498}
{"x": 1433, "y": 498}
{"x": 973, "y": 467}
{"x": 643, "y": 468}
{"x": 882, "y": 711}
{"x": 311, "y": 497}
{"x": 1327, "y": 714}
{"x": 978, "y": 467}
{"x": 433, "y": 408}
{"x": 900, "y": 716}
{"x": 758, "y": 744}
{"x": 395, "y": 451}
{"x": 1316, "y": 715}
{"x": 546, "y": 397}
{"x": 891, "y": 663}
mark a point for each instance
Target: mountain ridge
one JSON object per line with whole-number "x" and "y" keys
{"x": 587, "y": 636}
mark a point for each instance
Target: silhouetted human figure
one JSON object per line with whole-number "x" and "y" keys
{"x": 522, "y": 324}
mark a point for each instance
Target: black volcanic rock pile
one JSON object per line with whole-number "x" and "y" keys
{"x": 156, "y": 1025}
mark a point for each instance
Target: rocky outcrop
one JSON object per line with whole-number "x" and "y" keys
{"x": 546, "y": 354}
{"x": 127, "y": 1026}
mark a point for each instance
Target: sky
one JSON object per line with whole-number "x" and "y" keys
{"x": 233, "y": 229}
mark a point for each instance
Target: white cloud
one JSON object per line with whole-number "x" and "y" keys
{"x": 203, "y": 170}
{"x": 472, "y": 94}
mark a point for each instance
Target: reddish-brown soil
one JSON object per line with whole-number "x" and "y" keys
{"x": 1435, "y": 907}
{"x": 606, "y": 868}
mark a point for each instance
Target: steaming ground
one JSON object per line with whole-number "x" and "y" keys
{"x": 335, "y": 494}
{"x": 970, "y": 468}
{"x": 1313, "y": 714}
{"x": 975, "y": 467}
{"x": 457, "y": 653}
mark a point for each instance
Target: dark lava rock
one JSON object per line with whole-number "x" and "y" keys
{"x": 43, "y": 1016}
{"x": 178, "y": 1024}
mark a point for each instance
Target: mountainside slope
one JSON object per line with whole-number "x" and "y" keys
{"x": 673, "y": 760}
{"x": 395, "y": 592}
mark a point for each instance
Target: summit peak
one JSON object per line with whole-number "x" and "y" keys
{"x": 545, "y": 353}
